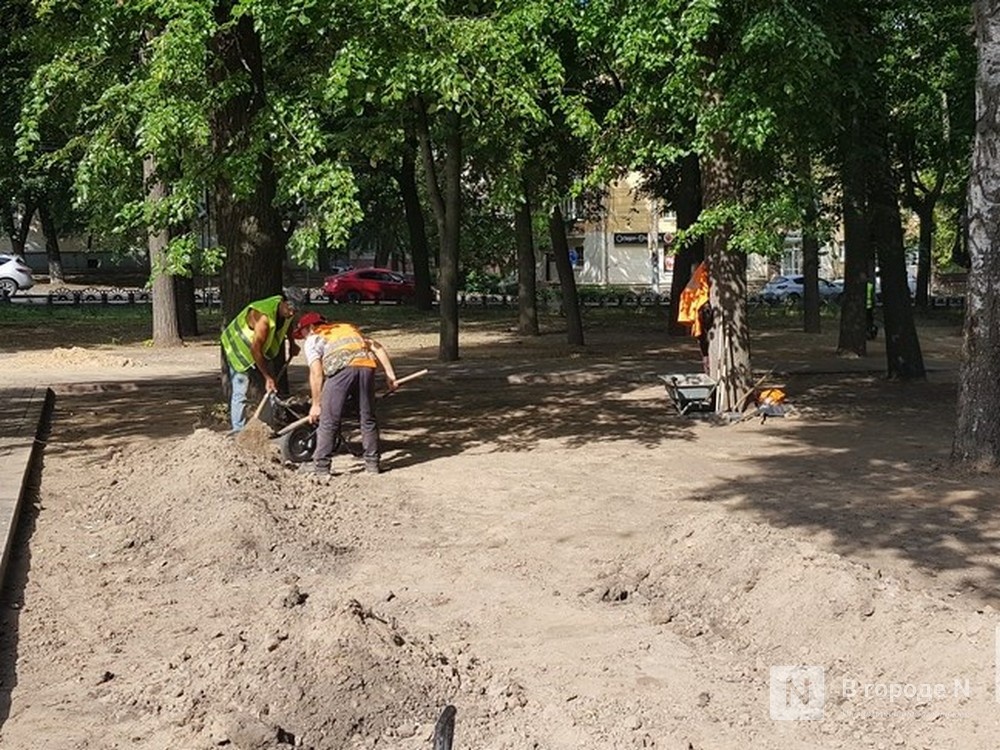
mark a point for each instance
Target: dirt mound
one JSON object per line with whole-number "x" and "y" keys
{"x": 73, "y": 357}
{"x": 258, "y": 647}
{"x": 896, "y": 662}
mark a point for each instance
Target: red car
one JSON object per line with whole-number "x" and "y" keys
{"x": 368, "y": 284}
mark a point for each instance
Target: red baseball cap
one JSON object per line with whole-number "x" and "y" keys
{"x": 308, "y": 319}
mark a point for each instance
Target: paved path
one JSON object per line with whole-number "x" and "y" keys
{"x": 26, "y": 414}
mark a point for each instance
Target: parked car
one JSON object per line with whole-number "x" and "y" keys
{"x": 368, "y": 284}
{"x": 15, "y": 275}
{"x": 791, "y": 289}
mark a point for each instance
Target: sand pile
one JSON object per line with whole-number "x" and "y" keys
{"x": 73, "y": 357}
{"x": 257, "y": 645}
{"x": 750, "y": 597}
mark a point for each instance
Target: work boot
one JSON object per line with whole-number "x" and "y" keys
{"x": 372, "y": 467}
{"x": 310, "y": 469}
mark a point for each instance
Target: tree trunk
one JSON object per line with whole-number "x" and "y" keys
{"x": 811, "y": 299}
{"x": 567, "y": 279}
{"x": 187, "y": 308}
{"x": 902, "y": 346}
{"x": 424, "y": 297}
{"x": 166, "y": 332}
{"x": 687, "y": 206}
{"x": 527, "y": 306}
{"x": 248, "y": 225}
{"x": 859, "y": 266}
{"x": 52, "y": 252}
{"x": 977, "y": 432}
{"x": 925, "y": 214}
{"x": 729, "y": 337}
{"x": 447, "y": 205}
{"x": 18, "y": 226}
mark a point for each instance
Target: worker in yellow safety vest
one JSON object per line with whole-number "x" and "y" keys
{"x": 342, "y": 361}
{"x": 251, "y": 341}
{"x": 695, "y": 310}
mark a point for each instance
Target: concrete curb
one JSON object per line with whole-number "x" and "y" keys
{"x": 21, "y": 443}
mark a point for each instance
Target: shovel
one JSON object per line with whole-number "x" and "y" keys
{"x": 299, "y": 422}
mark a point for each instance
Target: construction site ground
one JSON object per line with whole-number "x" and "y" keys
{"x": 552, "y": 550}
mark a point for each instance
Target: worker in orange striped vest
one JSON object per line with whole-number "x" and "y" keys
{"x": 342, "y": 361}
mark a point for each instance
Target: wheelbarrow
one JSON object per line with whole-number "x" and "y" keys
{"x": 690, "y": 392}
{"x": 288, "y": 419}
{"x": 296, "y": 435}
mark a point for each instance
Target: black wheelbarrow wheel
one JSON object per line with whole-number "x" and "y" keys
{"x": 297, "y": 446}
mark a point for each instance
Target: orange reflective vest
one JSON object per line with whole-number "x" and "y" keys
{"x": 693, "y": 297}
{"x": 344, "y": 347}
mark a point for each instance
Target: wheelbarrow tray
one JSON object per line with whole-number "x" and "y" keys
{"x": 690, "y": 392}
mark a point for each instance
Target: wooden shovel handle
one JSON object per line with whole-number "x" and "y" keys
{"x": 303, "y": 420}
{"x": 412, "y": 376}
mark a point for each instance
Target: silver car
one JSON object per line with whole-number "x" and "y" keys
{"x": 791, "y": 289}
{"x": 15, "y": 275}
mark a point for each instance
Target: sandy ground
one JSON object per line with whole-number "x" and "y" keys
{"x": 552, "y": 551}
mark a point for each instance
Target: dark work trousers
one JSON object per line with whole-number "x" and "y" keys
{"x": 360, "y": 380}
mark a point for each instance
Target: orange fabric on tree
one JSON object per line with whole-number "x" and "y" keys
{"x": 694, "y": 296}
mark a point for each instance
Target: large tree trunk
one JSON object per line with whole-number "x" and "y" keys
{"x": 902, "y": 346}
{"x": 248, "y": 225}
{"x": 447, "y": 205}
{"x": 567, "y": 279}
{"x": 165, "y": 328}
{"x": 687, "y": 206}
{"x": 527, "y": 306}
{"x": 424, "y": 297}
{"x": 977, "y": 432}
{"x": 729, "y": 337}
{"x": 859, "y": 266}
{"x": 52, "y": 252}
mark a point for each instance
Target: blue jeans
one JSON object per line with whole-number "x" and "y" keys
{"x": 238, "y": 403}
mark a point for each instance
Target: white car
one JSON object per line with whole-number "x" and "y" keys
{"x": 791, "y": 289}
{"x": 15, "y": 275}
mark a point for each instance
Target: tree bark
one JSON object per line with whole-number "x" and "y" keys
{"x": 977, "y": 432}
{"x": 904, "y": 359}
{"x": 447, "y": 205}
{"x": 419, "y": 253}
{"x": 810, "y": 272}
{"x": 567, "y": 279}
{"x": 527, "y": 306}
{"x": 687, "y": 206}
{"x": 811, "y": 298}
{"x": 187, "y": 308}
{"x": 925, "y": 214}
{"x": 52, "y": 252}
{"x": 166, "y": 332}
{"x": 729, "y": 337}
{"x": 859, "y": 264}
{"x": 18, "y": 226}
{"x": 248, "y": 226}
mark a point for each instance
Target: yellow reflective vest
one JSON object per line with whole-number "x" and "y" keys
{"x": 237, "y": 337}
